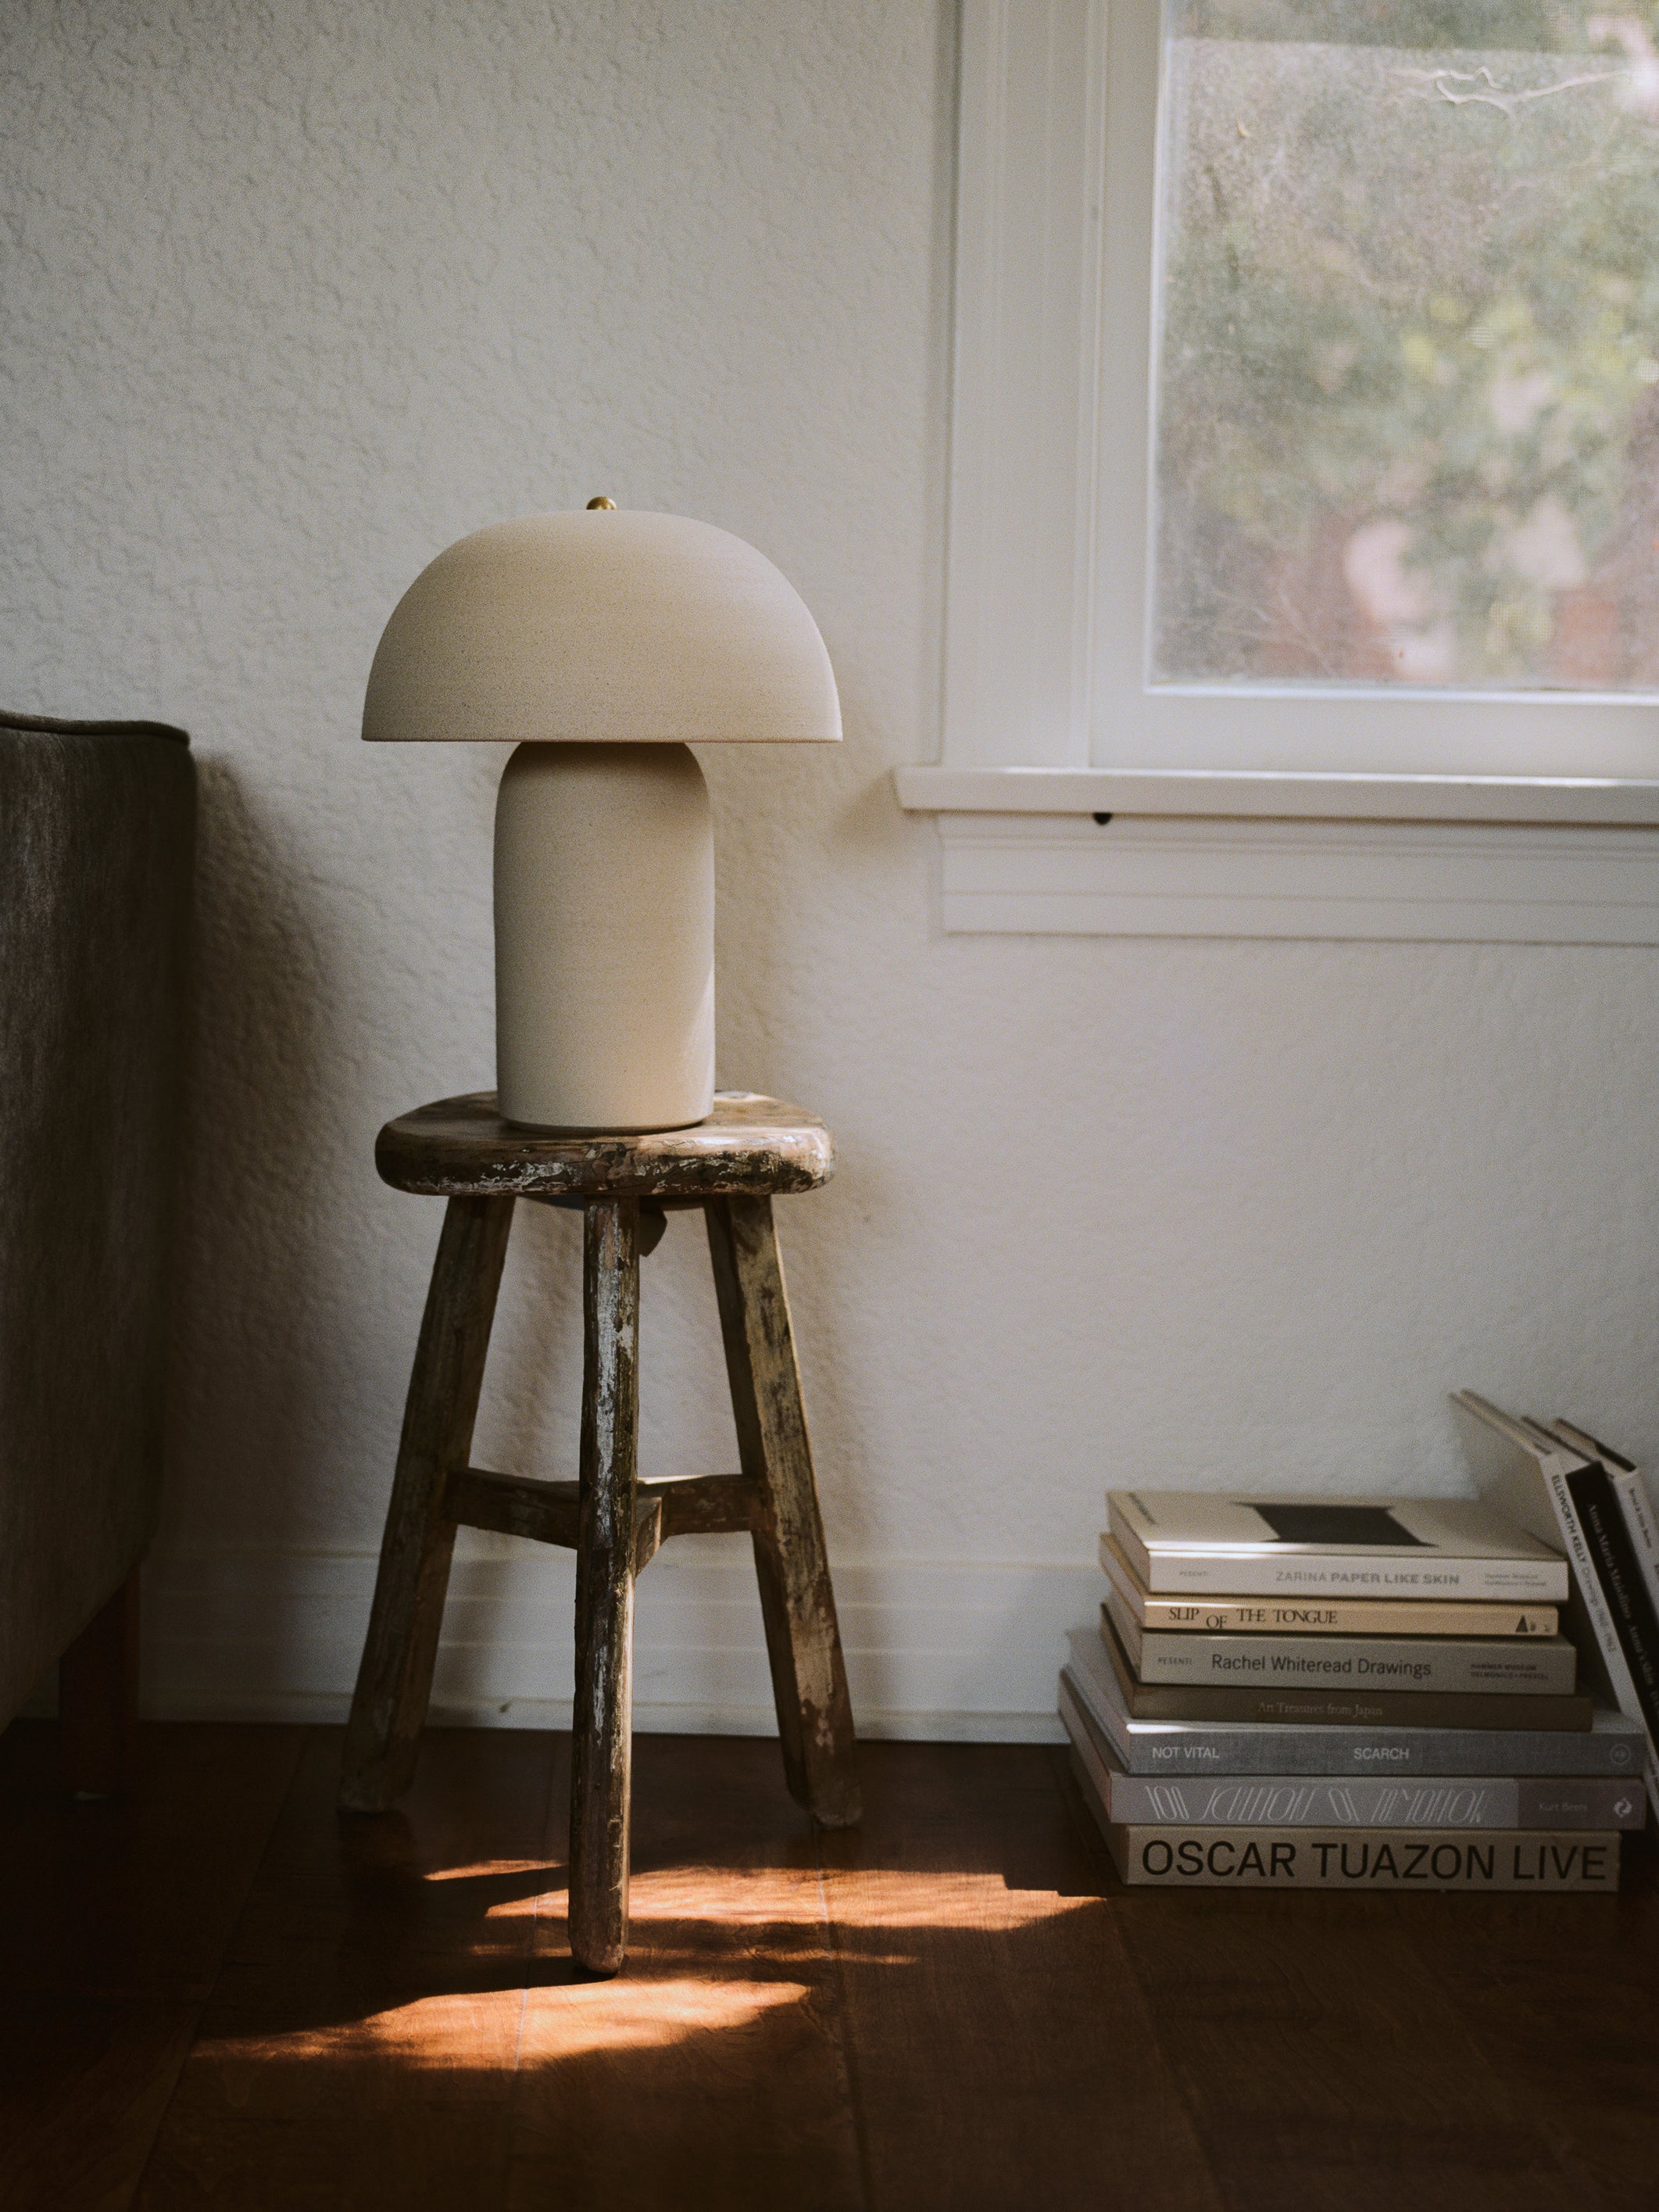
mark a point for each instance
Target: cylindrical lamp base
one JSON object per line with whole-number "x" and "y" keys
{"x": 605, "y": 937}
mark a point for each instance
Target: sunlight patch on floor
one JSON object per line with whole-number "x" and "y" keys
{"x": 632, "y": 2013}
{"x": 494, "y": 1870}
{"x": 469, "y": 2034}
{"x": 780, "y": 1896}
{"x": 878, "y": 1897}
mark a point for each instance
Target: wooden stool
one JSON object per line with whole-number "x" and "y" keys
{"x": 731, "y": 1165}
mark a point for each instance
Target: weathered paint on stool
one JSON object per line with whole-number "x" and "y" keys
{"x": 748, "y": 1149}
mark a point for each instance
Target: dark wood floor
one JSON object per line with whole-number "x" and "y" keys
{"x": 215, "y": 1994}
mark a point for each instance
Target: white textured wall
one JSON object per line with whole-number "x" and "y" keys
{"x": 295, "y": 294}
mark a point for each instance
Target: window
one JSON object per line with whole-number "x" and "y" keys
{"x": 1407, "y": 392}
{"x": 1305, "y": 439}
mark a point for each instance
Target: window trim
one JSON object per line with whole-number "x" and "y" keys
{"x": 1041, "y": 483}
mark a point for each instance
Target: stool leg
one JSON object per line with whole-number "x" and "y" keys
{"x": 803, "y": 1643}
{"x": 602, "y": 1716}
{"x": 395, "y": 1679}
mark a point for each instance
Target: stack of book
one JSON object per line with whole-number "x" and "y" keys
{"x": 1346, "y": 1693}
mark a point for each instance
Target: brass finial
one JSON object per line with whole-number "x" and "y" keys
{"x": 601, "y": 502}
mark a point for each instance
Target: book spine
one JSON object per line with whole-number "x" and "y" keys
{"x": 1587, "y": 1585}
{"x": 1176, "y": 1858}
{"x": 1178, "y": 1747}
{"x": 1327, "y": 1617}
{"x": 1303, "y": 1801}
{"x": 1287, "y": 1800}
{"x": 1460, "y": 1801}
{"x": 1340, "y": 1708}
{"x": 1637, "y": 1506}
{"x": 1436, "y": 1752}
{"x": 1305, "y": 1575}
{"x": 1128, "y": 1543}
{"x": 1622, "y": 1583}
{"x": 1638, "y": 1509}
{"x": 1363, "y": 1709}
{"x": 1499, "y": 1667}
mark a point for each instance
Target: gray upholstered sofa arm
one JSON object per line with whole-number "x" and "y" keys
{"x": 97, "y": 827}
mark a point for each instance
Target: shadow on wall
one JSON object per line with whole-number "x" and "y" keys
{"x": 253, "y": 1390}
{"x": 298, "y": 1296}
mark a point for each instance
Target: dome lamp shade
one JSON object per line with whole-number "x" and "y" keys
{"x": 602, "y": 644}
{"x": 602, "y": 626}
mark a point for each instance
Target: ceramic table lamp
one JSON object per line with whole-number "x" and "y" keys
{"x": 603, "y": 644}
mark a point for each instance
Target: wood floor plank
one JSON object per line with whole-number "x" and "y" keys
{"x": 87, "y": 2083}
{"x": 1323, "y": 2062}
{"x": 712, "y": 2073}
{"x": 117, "y": 1915}
{"x": 1003, "y": 2050}
{"x": 1561, "y": 1997}
{"x": 956, "y": 2006}
{"x": 359, "y": 2046}
{"x": 140, "y": 1891}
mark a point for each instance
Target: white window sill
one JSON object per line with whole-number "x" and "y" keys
{"x": 1198, "y": 853}
{"x": 1588, "y": 801}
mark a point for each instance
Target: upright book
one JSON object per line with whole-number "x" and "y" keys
{"x": 1549, "y": 1486}
{"x": 1388, "y": 1547}
{"x": 1634, "y": 1501}
{"x": 1617, "y": 1516}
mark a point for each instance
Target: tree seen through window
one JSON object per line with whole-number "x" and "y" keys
{"x": 1406, "y": 397}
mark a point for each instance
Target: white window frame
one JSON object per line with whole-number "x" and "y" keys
{"x": 1228, "y": 813}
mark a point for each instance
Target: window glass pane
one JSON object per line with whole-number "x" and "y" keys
{"x": 1406, "y": 387}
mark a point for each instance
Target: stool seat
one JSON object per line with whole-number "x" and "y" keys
{"x": 748, "y": 1144}
{"x": 729, "y": 1167}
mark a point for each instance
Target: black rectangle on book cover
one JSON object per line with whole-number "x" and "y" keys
{"x": 1374, "y": 1526}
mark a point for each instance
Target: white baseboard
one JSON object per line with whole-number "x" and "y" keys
{"x": 935, "y": 1652}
